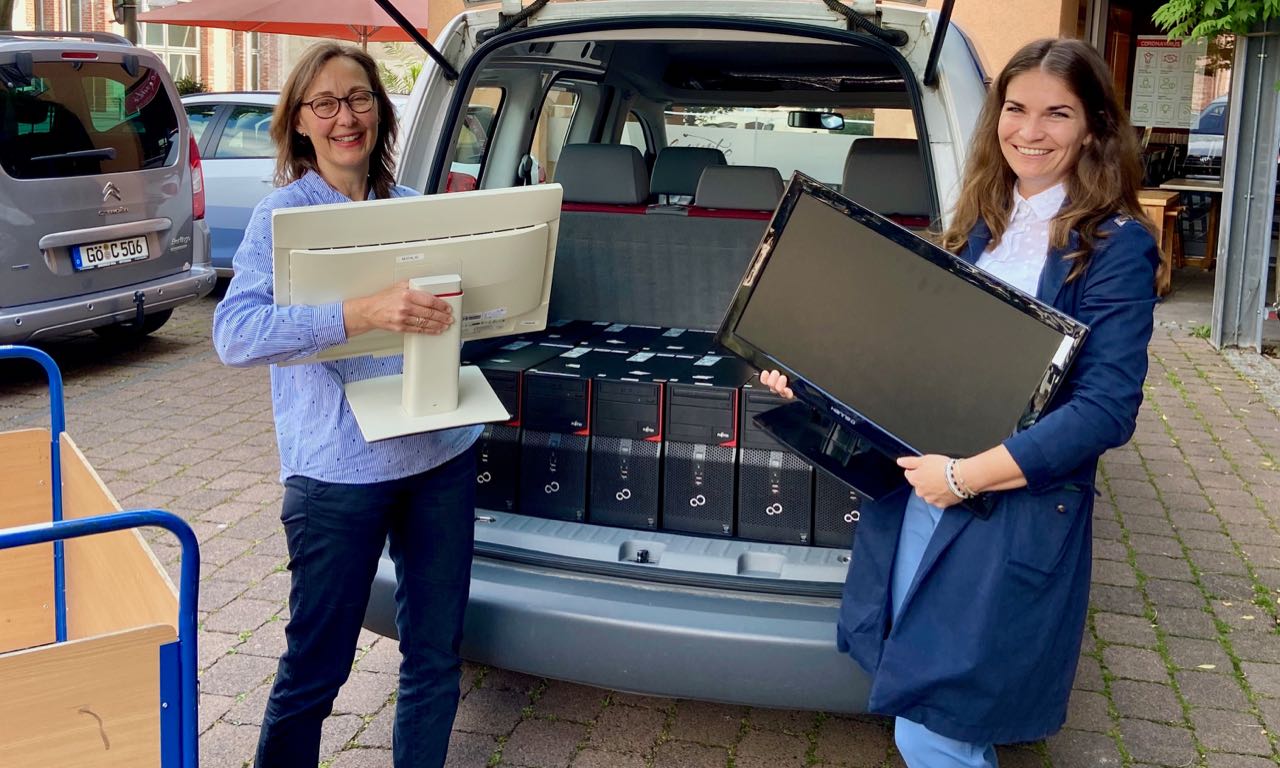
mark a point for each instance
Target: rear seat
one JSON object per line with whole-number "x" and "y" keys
{"x": 603, "y": 234}
{"x": 738, "y": 192}
{"x": 603, "y": 178}
{"x": 615, "y": 265}
{"x": 887, "y": 176}
{"x": 677, "y": 171}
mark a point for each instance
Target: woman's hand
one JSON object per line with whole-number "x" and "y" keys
{"x": 928, "y": 476}
{"x": 778, "y": 383}
{"x": 398, "y": 308}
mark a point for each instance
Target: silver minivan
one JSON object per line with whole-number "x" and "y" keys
{"x": 101, "y": 191}
{"x": 620, "y": 101}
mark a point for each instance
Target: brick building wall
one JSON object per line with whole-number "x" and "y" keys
{"x": 239, "y": 51}
{"x": 269, "y": 60}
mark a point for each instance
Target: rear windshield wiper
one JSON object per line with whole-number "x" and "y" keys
{"x": 106, "y": 153}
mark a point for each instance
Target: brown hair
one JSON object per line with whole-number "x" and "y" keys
{"x": 294, "y": 153}
{"x": 1107, "y": 175}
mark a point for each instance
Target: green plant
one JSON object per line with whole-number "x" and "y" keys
{"x": 1205, "y": 18}
{"x": 399, "y": 75}
{"x": 1200, "y": 331}
{"x": 188, "y": 84}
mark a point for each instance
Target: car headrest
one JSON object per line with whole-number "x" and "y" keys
{"x": 612, "y": 174}
{"x": 741, "y": 187}
{"x": 27, "y": 110}
{"x": 887, "y": 176}
{"x": 678, "y": 169}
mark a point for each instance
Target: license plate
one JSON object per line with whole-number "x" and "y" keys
{"x": 109, "y": 253}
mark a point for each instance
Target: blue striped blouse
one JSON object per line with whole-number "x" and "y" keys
{"x": 316, "y": 431}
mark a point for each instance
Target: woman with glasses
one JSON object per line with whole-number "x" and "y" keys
{"x": 334, "y": 130}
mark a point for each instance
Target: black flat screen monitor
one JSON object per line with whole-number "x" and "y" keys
{"x": 885, "y": 333}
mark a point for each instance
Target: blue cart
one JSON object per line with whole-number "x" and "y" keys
{"x": 97, "y": 649}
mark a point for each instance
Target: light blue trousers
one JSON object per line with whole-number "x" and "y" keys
{"x": 919, "y": 746}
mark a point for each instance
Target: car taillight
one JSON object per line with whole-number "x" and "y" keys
{"x": 197, "y": 182}
{"x": 459, "y": 182}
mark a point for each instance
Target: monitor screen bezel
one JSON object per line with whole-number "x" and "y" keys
{"x": 1073, "y": 331}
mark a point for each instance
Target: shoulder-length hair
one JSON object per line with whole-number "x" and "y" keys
{"x": 294, "y": 153}
{"x": 1107, "y": 175}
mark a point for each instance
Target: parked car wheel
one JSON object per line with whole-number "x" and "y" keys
{"x": 131, "y": 330}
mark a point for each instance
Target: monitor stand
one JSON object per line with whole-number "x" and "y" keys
{"x": 833, "y": 447}
{"x": 842, "y": 452}
{"x": 435, "y": 391}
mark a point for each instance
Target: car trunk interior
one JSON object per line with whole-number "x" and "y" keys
{"x": 632, "y": 255}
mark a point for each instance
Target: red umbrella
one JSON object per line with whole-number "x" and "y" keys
{"x": 359, "y": 20}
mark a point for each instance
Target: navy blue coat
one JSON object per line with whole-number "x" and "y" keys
{"x": 987, "y": 643}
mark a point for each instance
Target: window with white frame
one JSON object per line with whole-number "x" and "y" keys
{"x": 74, "y": 10}
{"x": 178, "y": 47}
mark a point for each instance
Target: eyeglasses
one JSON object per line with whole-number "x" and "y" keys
{"x": 326, "y": 107}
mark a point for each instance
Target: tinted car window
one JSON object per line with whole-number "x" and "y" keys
{"x": 198, "y": 117}
{"x": 246, "y": 134}
{"x": 85, "y": 118}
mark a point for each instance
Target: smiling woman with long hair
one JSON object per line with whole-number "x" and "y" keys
{"x": 970, "y": 628}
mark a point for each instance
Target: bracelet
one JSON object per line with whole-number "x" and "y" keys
{"x": 958, "y": 489}
{"x": 960, "y": 483}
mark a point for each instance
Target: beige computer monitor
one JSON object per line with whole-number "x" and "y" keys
{"x": 495, "y": 247}
{"x": 500, "y": 241}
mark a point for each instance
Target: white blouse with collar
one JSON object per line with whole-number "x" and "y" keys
{"x": 1020, "y": 256}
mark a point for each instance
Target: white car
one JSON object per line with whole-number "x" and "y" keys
{"x": 233, "y": 132}
{"x": 602, "y": 92}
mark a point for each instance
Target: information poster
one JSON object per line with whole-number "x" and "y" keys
{"x": 1163, "y": 76}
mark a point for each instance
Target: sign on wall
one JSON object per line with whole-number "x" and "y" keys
{"x": 1163, "y": 76}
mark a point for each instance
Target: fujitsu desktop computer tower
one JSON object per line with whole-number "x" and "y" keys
{"x": 498, "y": 448}
{"x": 836, "y": 510}
{"x": 572, "y": 333}
{"x": 699, "y": 463}
{"x": 684, "y": 341}
{"x": 556, "y": 438}
{"x": 775, "y": 486}
{"x": 626, "y": 437}
{"x": 625, "y": 338}
{"x": 566, "y": 333}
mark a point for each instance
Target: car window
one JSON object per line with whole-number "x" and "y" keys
{"x": 198, "y": 117}
{"x": 247, "y": 133}
{"x": 762, "y": 136}
{"x": 85, "y": 118}
{"x": 633, "y": 134}
{"x": 473, "y": 139}
{"x": 552, "y": 130}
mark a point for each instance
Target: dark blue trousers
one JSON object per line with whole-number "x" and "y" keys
{"x": 335, "y": 536}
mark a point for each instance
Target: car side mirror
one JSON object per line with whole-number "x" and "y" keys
{"x": 827, "y": 121}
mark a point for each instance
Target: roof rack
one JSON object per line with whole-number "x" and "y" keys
{"x": 99, "y": 37}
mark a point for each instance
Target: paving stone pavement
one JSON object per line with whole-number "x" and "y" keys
{"x": 1181, "y": 658}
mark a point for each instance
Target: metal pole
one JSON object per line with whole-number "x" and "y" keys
{"x": 131, "y": 22}
{"x": 57, "y": 425}
{"x": 1249, "y": 174}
